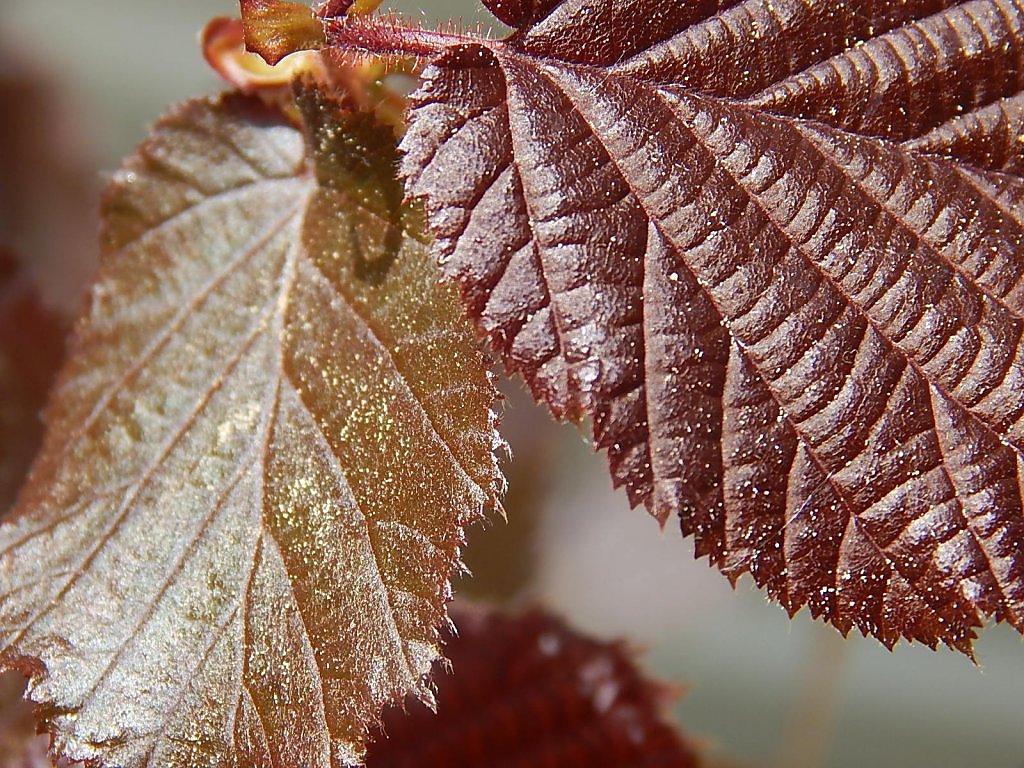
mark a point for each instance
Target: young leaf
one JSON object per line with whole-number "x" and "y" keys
{"x": 712, "y": 227}
{"x": 531, "y": 692}
{"x": 235, "y": 546}
{"x": 281, "y": 27}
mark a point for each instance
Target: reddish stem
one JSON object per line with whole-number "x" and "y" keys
{"x": 382, "y": 36}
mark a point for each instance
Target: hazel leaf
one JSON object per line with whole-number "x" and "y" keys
{"x": 530, "y": 691}
{"x": 774, "y": 251}
{"x": 21, "y": 746}
{"x": 236, "y": 544}
{"x": 31, "y": 351}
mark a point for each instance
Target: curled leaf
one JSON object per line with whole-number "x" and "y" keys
{"x": 236, "y": 544}
{"x": 223, "y": 44}
{"x": 274, "y": 29}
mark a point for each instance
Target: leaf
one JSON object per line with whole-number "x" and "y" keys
{"x": 31, "y": 351}
{"x": 48, "y": 183}
{"x": 713, "y": 228}
{"x": 531, "y": 692}
{"x": 20, "y": 746}
{"x": 235, "y": 546}
{"x": 280, "y": 28}
{"x": 502, "y": 559}
{"x": 222, "y": 42}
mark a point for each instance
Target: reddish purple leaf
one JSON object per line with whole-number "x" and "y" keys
{"x": 31, "y": 350}
{"x": 20, "y": 745}
{"x": 530, "y": 692}
{"x": 712, "y": 227}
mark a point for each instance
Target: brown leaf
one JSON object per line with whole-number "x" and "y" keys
{"x": 235, "y": 547}
{"x": 530, "y": 692}
{"x": 710, "y": 226}
{"x": 276, "y": 28}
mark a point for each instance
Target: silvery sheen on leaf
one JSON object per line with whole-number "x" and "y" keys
{"x": 235, "y": 547}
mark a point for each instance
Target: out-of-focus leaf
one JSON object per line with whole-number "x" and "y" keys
{"x": 236, "y": 544}
{"x": 48, "y": 184}
{"x": 712, "y": 227}
{"x": 20, "y": 745}
{"x": 530, "y": 692}
{"x": 31, "y": 351}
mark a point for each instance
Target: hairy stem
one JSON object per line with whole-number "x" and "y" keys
{"x": 389, "y": 36}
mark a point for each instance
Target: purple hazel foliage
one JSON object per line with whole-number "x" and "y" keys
{"x": 774, "y": 251}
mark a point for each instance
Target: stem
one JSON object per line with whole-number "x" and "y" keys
{"x": 383, "y": 36}
{"x": 812, "y": 720}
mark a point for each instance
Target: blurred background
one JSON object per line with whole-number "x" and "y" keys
{"x": 759, "y": 689}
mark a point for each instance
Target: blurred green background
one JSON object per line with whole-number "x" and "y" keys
{"x": 760, "y": 689}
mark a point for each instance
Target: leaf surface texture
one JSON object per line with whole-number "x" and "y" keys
{"x": 235, "y": 546}
{"x": 773, "y": 249}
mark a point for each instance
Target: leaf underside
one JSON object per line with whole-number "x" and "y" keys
{"x": 236, "y": 544}
{"x": 530, "y": 692}
{"x": 773, "y": 249}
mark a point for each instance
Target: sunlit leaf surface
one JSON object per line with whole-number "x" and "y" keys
{"x": 773, "y": 249}
{"x": 235, "y": 547}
